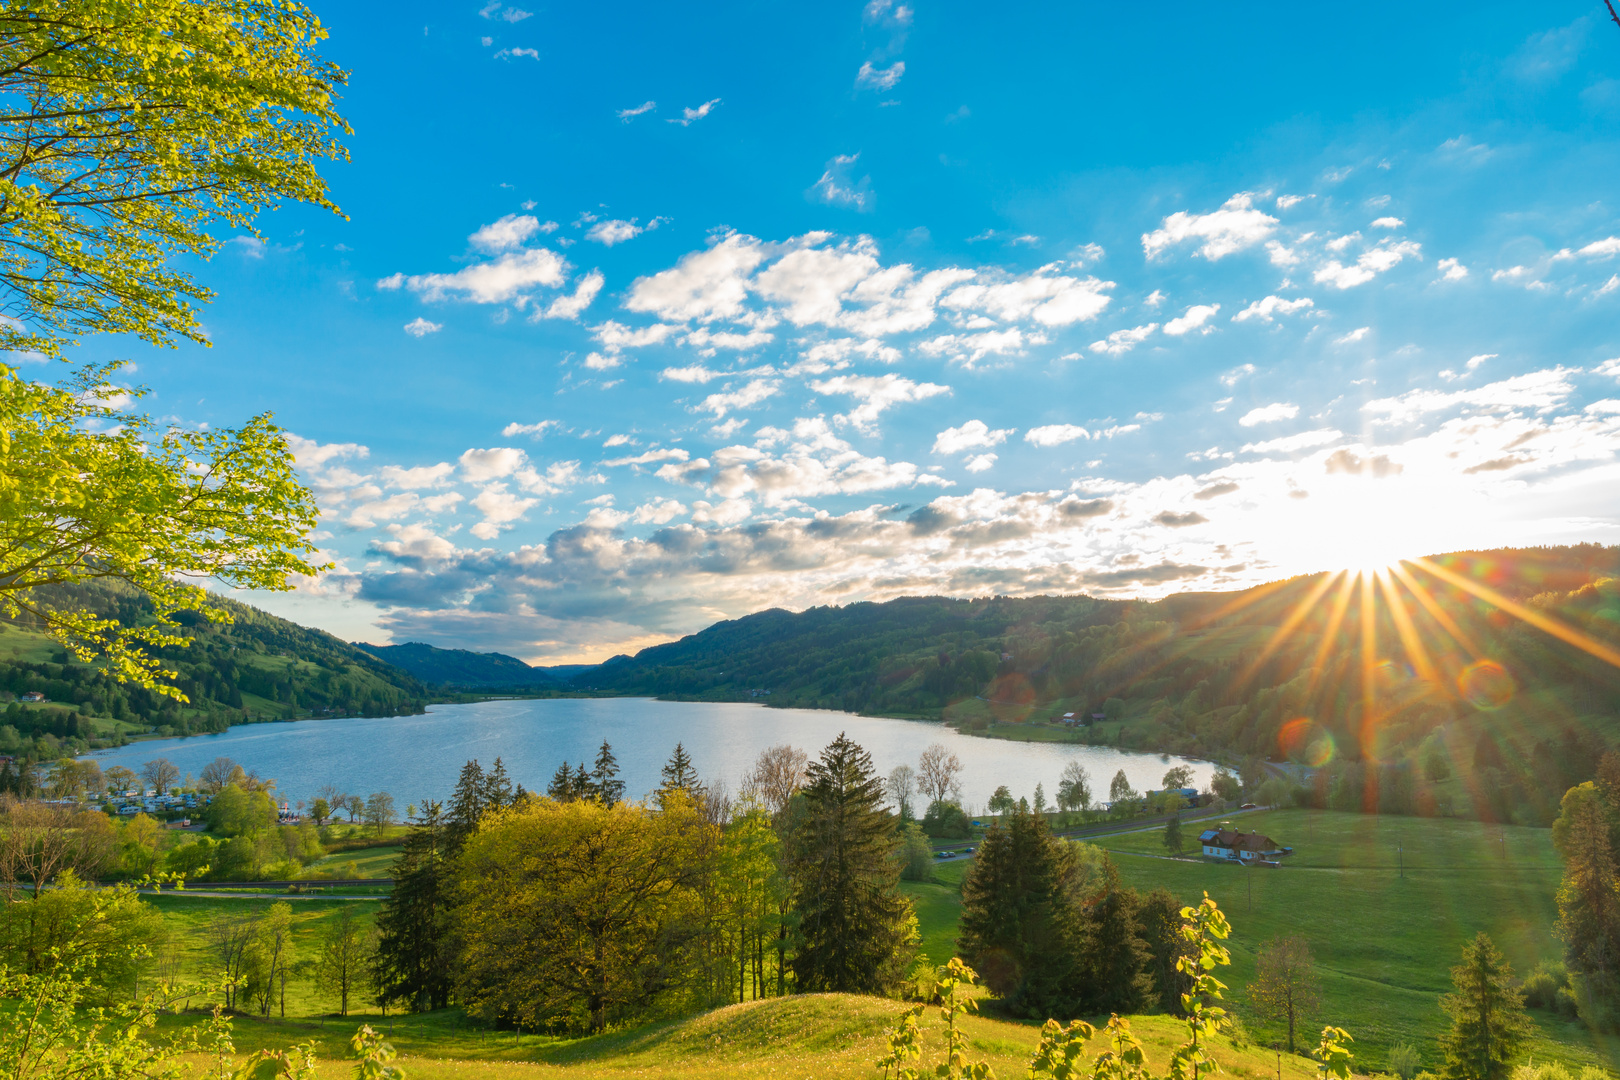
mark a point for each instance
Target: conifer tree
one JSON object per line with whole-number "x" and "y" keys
{"x": 604, "y": 778}
{"x": 856, "y": 929}
{"x": 466, "y": 806}
{"x": 412, "y": 964}
{"x": 1021, "y": 928}
{"x": 679, "y": 775}
{"x": 1488, "y": 1023}
{"x": 497, "y": 793}
{"x": 561, "y": 787}
{"x": 582, "y": 783}
{"x": 1115, "y": 957}
{"x": 1160, "y": 916}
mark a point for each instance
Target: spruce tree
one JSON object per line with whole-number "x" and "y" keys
{"x": 497, "y": 792}
{"x": 1160, "y": 917}
{"x": 412, "y": 964}
{"x": 466, "y": 806}
{"x": 1021, "y": 928}
{"x": 1488, "y": 1023}
{"x": 856, "y": 930}
{"x": 1115, "y": 956}
{"x": 561, "y": 787}
{"x": 582, "y": 783}
{"x": 679, "y": 775}
{"x": 604, "y": 777}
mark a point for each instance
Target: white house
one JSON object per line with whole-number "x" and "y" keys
{"x": 1239, "y": 847}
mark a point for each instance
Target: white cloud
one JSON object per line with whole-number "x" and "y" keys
{"x": 969, "y": 349}
{"x": 534, "y": 431}
{"x": 1123, "y": 341}
{"x": 880, "y": 78}
{"x": 603, "y": 362}
{"x": 838, "y": 188}
{"x": 1286, "y": 201}
{"x": 704, "y": 338}
{"x": 1365, "y": 268}
{"x": 1055, "y": 434}
{"x": 1355, "y": 335}
{"x": 1192, "y": 319}
{"x": 746, "y": 398}
{"x": 478, "y": 466}
{"x": 696, "y": 373}
{"x": 1536, "y": 390}
{"x": 1606, "y": 248}
{"x": 1155, "y": 298}
{"x": 673, "y": 453}
{"x": 1048, "y": 298}
{"x": 499, "y": 508}
{"x": 1267, "y": 414}
{"x": 729, "y": 512}
{"x": 658, "y": 511}
{"x": 1608, "y": 286}
{"x": 703, "y": 285}
{"x": 1267, "y": 309}
{"x": 367, "y": 515}
{"x": 615, "y": 336}
{"x": 420, "y": 327}
{"x": 493, "y": 10}
{"x": 979, "y": 463}
{"x": 974, "y": 433}
{"x": 689, "y": 114}
{"x": 628, "y": 115}
{"x": 876, "y": 393}
{"x": 1235, "y": 226}
{"x": 1451, "y": 270}
{"x": 422, "y": 476}
{"x": 572, "y": 306}
{"x": 415, "y": 542}
{"x": 1290, "y": 444}
{"x": 614, "y": 231}
{"x": 1475, "y": 361}
{"x": 507, "y": 278}
{"x": 1388, "y": 223}
{"x": 505, "y": 234}
{"x": 507, "y": 54}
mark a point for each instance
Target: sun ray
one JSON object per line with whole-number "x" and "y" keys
{"x": 1561, "y": 631}
{"x": 1335, "y": 619}
{"x": 1369, "y": 679}
{"x": 1410, "y": 641}
{"x": 1295, "y": 617}
{"x": 1438, "y": 613}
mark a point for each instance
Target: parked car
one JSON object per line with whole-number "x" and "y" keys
{"x": 1248, "y": 806}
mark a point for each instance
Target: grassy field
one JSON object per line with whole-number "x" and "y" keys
{"x": 1386, "y": 904}
{"x": 375, "y": 862}
{"x": 819, "y": 1035}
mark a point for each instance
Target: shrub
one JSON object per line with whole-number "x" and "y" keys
{"x": 916, "y": 854}
{"x": 1403, "y": 1061}
{"x": 946, "y": 821}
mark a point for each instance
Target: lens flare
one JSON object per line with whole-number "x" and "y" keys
{"x": 1486, "y": 685}
{"x": 1302, "y": 740}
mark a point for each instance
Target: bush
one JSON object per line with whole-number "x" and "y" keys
{"x": 916, "y": 854}
{"x": 1403, "y": 1061}
{"x": 946, "y": 821}
{"x": 1547, "y": 987}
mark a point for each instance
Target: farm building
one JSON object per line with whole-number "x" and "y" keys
{"x": 1247, "y": 848}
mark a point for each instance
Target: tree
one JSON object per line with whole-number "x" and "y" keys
{"x": 356, "y": 808}
{"x": 320, "y": 810}
{"x": 119, "y": 778}
{"x": 134, "y": 132}
{"x": 379, "y": 810}
{"x": 1177, "y": 778}
{"x": 216, "y": 774}
{"x": 1224, "y": 786}
{"x": 1589, "y": 896}
{"x": 1173, "y": 842}
{"x": 497, "y": 787}
{"x": 229, "y": 936}
{"x": 1115, "y": 958}
{"x": 678, "y": 775}
{"x": 1039, "y": 803}
{"x": 604, "y": 776}
{"x": 1001, "y": 801}
{"x": 412, "y": 963}
{"x": 1021, "y": 928}
{"x": 902, "y": 789}
{"x": 855, "y": 926}
{"x": 1161, "y": 920}
{"x": 1285, "y": 987}
{"x": 1120, "y": 793}
{"x": 1074, "y": 787}
{"x": 916, "y": 854}
{"x": 561, "y": 787}
{"x": 160, "y": 774}
{"x": 1488, "y": 1022}
{"x": 777, "y": 776}
{"x": 108, "y": 934}
{"x": 466, "y": 806}
{"x": 345, "y": 957}
{"x": 39, "y": 842}
{"x": 269, "y": 956}
{"x": 937, "y": 771}
{"x": 582, "y": 915}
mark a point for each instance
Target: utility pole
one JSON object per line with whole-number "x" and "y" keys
{"x": 1400, "y": 856}
{"x": 1250, "y": 876}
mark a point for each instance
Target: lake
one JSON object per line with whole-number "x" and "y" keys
{"x": 418, "y": 757}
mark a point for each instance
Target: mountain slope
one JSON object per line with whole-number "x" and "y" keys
{"x": 258, "y": 667}
{"x": 470, "y": 670}
{"x": 1392, "y": 687}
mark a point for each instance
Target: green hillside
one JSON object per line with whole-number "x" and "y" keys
{"x": 462, "y": 669}
{"x": 1405, "y": 685}
{"x": 258, "y": 667}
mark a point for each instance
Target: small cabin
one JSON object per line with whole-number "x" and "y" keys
{"x": 1240, "y": 847}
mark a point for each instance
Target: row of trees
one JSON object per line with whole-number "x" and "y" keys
{"x": 578, "y": 909}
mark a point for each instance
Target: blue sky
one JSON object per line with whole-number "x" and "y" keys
{"x": 647, "y": 316}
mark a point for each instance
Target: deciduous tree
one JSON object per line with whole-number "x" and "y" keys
{"x": 777, "y": 776}
{"x": 937, "y": 770}
{"x": 160, "y": 773}
{"x": 1285, "y": 988}
{"x": 345, "y": 958}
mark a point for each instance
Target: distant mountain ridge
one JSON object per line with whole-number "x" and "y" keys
{"x": 434, "y": 666}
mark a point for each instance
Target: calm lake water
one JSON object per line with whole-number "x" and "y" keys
{"x": 418, "y": 757}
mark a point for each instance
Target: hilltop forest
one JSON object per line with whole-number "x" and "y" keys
{"x": 257, "y": 667}
{"x": 1381, "y": 686}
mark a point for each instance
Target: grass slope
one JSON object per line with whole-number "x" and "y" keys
{"x": 821, "y": 1035}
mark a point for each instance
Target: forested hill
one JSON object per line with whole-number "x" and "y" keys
{"x": 1436, "y": 679}
{"x": 469, "y": 670}
{"x": 257, "y": 667}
